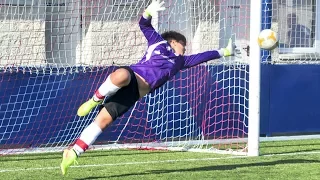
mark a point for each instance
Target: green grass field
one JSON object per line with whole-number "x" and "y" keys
{"x": 279, "y": 160}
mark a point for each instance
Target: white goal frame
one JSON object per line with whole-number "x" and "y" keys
{"x": 254, "y": 78}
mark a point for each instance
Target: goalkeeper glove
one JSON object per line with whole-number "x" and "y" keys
{"x": 229, "y": 50}
{"x": 154, "y": 8}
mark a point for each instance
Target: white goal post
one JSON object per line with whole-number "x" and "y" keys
{"x": 254, "y": 79}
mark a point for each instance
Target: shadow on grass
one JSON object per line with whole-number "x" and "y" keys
{"x": 44, "y": 156}
{"x": 278, "y": 145}
{"x": 29, "y": 157}
{"x": 293, "y": 151}
{"x": 208, "y": 168}
{"x": 288, "y": 148}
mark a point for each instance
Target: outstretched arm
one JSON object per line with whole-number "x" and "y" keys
{"x": 199, "y": 58}
{"x": 195, "y": 59}
{"x": 145, "y": 22}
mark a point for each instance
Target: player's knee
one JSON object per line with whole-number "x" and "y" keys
{"x": 121, "y": 77}
{"x": 103, "y": 119}
{"x": 114, "y": 109}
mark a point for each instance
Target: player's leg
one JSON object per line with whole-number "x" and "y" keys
{"x": 114, "y": 107}
{"x": 91, "y": 132}
{"x": 87, "y": 138}
{"x": 115, "y": 81}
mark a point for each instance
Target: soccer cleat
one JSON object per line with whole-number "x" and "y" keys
{"x": 69, "y": 157}
{"x": 86, "y": 107}
{"x": 229, "y": 50}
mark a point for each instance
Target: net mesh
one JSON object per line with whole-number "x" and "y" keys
{"x": 295, "y": 22}
{"x": 55, "y": 54}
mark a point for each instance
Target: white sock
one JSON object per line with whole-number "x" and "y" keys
{"x": 87, "y": 138}
{"x": 106, "y": 89}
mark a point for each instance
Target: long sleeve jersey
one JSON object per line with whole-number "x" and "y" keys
{"x": 160, "y": 63}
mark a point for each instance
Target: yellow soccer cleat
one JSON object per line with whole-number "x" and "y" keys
{"x": 69, "y": 157}
{"x": 86, "y": 107}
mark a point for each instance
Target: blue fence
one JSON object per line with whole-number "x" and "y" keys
{"x": 41, "y": 108}
{"x": 37, "y": 108}
{"x": 290, "y": 99}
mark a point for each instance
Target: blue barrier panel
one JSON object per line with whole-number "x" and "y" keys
{"x": 37, "y": 109}
{"x": 294, "y": 98}
{"x": 265, "y": 100}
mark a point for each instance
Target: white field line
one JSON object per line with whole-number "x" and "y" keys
{"x": 153, "y": 162}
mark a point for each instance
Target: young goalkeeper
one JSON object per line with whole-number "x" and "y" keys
{"x": 126, "y": 85}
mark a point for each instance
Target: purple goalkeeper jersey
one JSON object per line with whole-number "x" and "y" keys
{"x": 160, "y": 63}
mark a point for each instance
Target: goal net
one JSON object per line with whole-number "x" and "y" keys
{"x": 55, "y": 54}
{"x": 296, "y": 24}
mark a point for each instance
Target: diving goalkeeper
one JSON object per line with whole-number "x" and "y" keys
{"x": 126, "y": 85}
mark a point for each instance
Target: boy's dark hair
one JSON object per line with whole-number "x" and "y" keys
{"x": 173, "y": 35}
